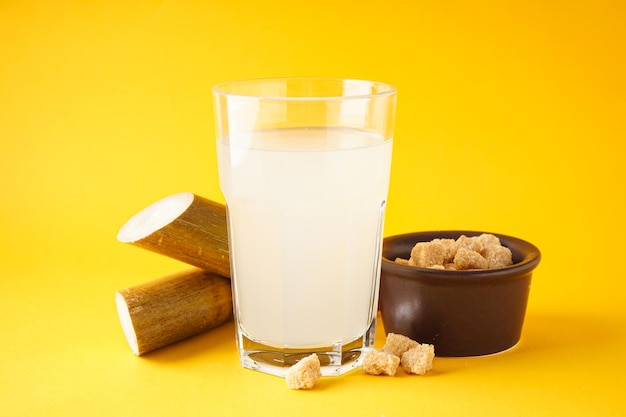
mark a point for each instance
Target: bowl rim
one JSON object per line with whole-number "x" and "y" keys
{"x": 531, "y": 257}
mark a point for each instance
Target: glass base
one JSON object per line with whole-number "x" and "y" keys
{"x": 334, "y": 359}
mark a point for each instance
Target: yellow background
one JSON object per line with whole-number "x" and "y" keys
{"x": 511, "y": 119}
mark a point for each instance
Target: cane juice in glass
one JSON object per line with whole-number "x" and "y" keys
{"x": 305, "y": 208}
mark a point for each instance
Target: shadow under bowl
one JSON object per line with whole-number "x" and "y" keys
{"x": 462, "y": 313}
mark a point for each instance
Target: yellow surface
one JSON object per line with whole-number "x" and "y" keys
{"x": 511, "y": 119}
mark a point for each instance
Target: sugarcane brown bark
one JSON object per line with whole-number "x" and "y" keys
{"x": 172, "y": 308}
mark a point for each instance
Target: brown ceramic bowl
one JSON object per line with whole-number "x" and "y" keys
{"x": 462, "y": 313}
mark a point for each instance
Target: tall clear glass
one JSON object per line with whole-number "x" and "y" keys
{"x": 304, "y": 167}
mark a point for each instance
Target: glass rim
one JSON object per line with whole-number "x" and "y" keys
{"x": 386, "y": 89}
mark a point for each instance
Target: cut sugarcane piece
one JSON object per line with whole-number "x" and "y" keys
{"x": 173, "y": 308}
{"x": 183, "y": 226}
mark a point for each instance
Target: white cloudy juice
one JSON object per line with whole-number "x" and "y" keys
{"x": 305, "y": 211}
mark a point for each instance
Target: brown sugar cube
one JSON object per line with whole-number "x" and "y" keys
{"x": 450, "y": 247}
{"x": 401, "y": 261}
{"x": 471, "y": 243}
{"x": 497, "y": 256}
{"x": 427, "y": 254}
{"x": 304, "y": 374}
{"x": 450, "y": 266}
{"x": 397, "y": 344}
{"x": 487, "y": 239}
{"x": 378, "y": 362}
{"x": 418, "y": 360}
{"x": 469, "y": 259}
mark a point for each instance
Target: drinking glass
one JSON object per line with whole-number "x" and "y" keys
{"x": 304, "y": 168}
